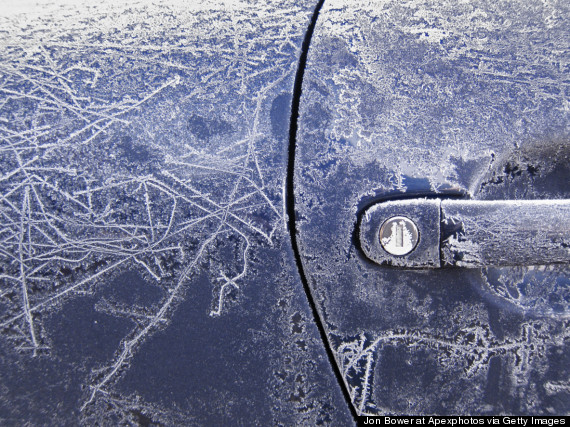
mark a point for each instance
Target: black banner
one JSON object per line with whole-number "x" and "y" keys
{"x": 456, "y": 421}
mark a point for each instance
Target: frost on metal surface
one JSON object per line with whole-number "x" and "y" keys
{"x": 542, "y": 290}
{"x": 406, "y": 99}
{"x": 146, "y": 140}
{"x": 500, "y": 233}
{"x": 469, "y": 352}
{"x": 532, "y": 172}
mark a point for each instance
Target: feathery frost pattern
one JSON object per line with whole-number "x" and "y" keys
{"x": 136, "y": 144}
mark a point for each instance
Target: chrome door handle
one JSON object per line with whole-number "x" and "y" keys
{"x": 435, "y": 233}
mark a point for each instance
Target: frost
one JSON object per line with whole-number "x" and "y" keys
{"x": 418, "y": 84}
{"x": 356, "y": 359}
{"x": 539, "y": 290}
{"x": 469, "y": 249}
{"x": 471, "y": 348}
{"x": 420, "y": 99}
{"x": 118, "y": 410}
{"x": 138, "y": 143}
{"x": 555, "y": 387}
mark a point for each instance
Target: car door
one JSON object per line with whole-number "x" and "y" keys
{"x": 431, "y": 189}
{"x": 146, "y": 272}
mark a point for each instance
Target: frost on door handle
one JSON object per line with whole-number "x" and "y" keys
{"x": 470, "y": 233}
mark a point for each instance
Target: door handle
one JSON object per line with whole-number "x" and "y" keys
{"x": 437, "y": 233}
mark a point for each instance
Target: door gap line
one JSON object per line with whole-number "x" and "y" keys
{"x": 290, "y": 203}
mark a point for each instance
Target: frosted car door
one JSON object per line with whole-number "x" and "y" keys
{"x": 146, "y": 273}
{"x": 438, "y": 105}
